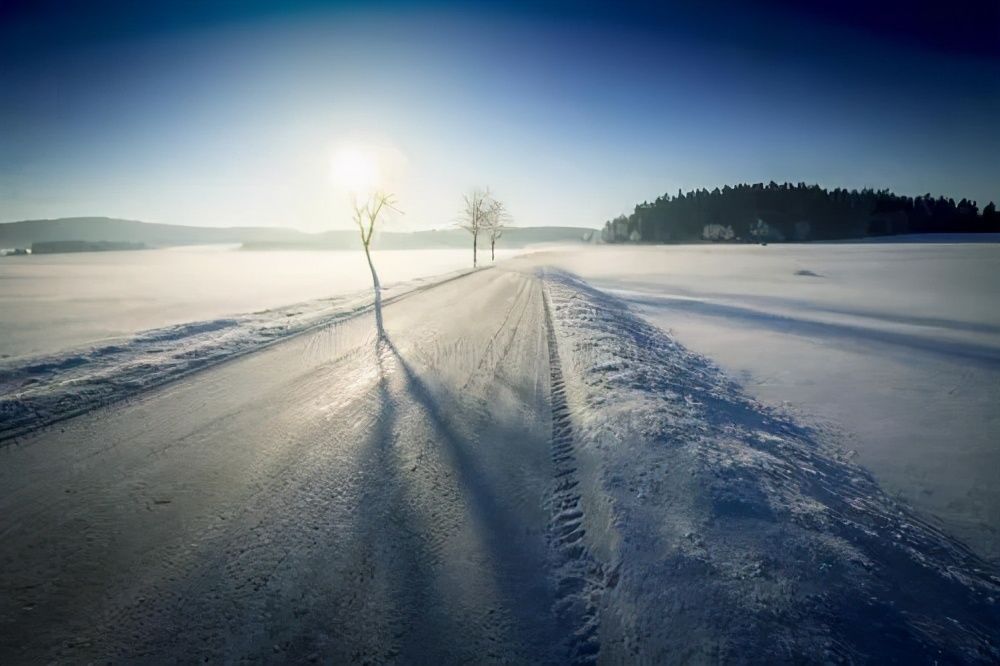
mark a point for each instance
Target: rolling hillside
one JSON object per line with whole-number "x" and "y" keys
{"x": 23, "y": 234}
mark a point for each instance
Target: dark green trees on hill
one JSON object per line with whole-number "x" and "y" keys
{"x": 789, "y": 212}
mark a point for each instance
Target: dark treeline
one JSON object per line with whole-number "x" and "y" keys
{"x": 800, "y": 212}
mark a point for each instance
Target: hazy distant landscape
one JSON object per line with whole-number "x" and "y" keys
{"x": 25, "y": 233}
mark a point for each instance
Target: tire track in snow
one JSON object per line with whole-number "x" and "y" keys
{"x": 579, "y": 576}
{"x": 493, "y": 360}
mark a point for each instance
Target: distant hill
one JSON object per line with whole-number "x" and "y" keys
{"x": 23, "y": 234}
{"x": 98, "y": 229}
{"x": 64, "y": 247}
{"x": 513, "y": 237}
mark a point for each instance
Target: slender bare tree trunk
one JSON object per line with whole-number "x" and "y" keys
{"x": 378, "y": 293}
{"x": 475, "y": 239}
{"x": 493, "y": 252}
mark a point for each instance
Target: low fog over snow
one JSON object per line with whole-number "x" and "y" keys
{"x": 53, "y": 302}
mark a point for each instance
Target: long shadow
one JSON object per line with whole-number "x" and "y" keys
{"x": 521, "y": 579}
{"x": 378, "y": 566}
{"x": 964, "y": 351}
{"x": 629, "y": 290}
{"x": 384, "y": 508}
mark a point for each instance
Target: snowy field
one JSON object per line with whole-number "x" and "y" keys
{"x": 893, "y": 347}
{"x": 608, "y": 455}
{"x": 54, "y": 302}
{"x": 84, "y": 329}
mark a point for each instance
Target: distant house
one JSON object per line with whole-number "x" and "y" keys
{"x": 763, "y": 232}
{"x": 718, "y": 232}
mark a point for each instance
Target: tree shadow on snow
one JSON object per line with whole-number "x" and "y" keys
{"x": 519, "y": 562}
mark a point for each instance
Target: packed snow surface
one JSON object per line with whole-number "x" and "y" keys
{"x": 893, "y": 347}
{"x": 524, "y": 468}
{"x": 730, "y": 530}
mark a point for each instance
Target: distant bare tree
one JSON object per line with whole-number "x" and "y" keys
{"x": 366, "y": 216}
{"x": 475, "y": 216}
{"x": 497, "y": 220}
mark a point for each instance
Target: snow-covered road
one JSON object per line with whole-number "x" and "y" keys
{"x": 331, "y": 495}
{"x": 522, "y": 471}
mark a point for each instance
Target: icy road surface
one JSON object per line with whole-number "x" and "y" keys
{"x": 522, "y": 471}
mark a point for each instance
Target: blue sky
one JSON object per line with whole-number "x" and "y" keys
{"x": 228, "y": 113}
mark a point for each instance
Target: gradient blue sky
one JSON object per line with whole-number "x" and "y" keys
{"x": 227, "y": 113}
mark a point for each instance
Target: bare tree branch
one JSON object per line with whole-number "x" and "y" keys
{"x": 497, "y": 220}
{"x": 474, "y": 216}
{"x": 366, "y": 216}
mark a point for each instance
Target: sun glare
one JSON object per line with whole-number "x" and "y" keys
{"x": 356, "y": 170}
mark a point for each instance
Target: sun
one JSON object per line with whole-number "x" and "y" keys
{"x": 356, "y": 170}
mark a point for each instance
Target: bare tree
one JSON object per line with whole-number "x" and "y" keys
{"x": 366, "y": 216}
{"x": 474, "y": 217}
{"x": 497, "y": 220}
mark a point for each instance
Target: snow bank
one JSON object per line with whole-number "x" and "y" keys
{"x": 41, "y": 390}
{"x": 732, "y": 532}
{"x": 894, "y": 346}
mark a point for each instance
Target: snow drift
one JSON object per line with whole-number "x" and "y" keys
{"x": 724, "y": 531}
{"x": 41, "y": 390}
